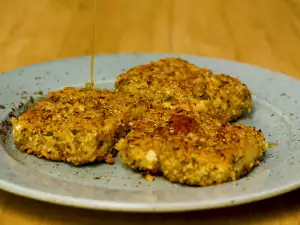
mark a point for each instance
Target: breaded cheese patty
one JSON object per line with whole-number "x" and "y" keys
{"x": 176, "y": 83}
{"x": 139, "y": 148}
{"x": 73, "y": 125}
{"x": 191, "y": 148}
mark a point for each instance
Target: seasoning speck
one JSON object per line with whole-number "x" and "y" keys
{"x": 2, "y": 107}
{"x": 169, "y": 98}
{"x": 49, "y": 133}
{"x": 114, "y": 152}
{"x": 40, "y": 92}
{"x": 74, "y": 132}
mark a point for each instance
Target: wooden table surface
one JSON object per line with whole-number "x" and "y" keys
{"x": 260, "y": 32}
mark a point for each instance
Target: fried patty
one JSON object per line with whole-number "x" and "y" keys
{"x": 78, "y": 126}
{"x": 138, "y": 149}
{"x": 191, "y": 148}
{"x": 176, "y": 83}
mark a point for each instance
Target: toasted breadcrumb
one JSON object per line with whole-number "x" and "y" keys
{"x": 176, "y": 83}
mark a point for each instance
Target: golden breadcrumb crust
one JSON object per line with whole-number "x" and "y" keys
{"x": 191, "y": 148}
{"x": 73, "y": 125}
{"x": 176, "y": 83}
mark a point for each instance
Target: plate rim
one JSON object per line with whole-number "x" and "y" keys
{"x": 137, "y": 207}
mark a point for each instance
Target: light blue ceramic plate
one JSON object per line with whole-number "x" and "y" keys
{"x": 276, "y": 112}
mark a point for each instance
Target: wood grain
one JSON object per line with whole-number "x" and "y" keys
{"x": 260, "y": 32}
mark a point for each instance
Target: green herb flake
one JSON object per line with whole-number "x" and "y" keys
{"x": 169, "y": 98}
{"x": 49, "y": 133}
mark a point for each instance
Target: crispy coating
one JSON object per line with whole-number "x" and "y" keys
{"x": 191, "y": 148}
{"x": 138, "y": 148}
{"x": 74, "y": 125}
{"x": 176, "y": 83}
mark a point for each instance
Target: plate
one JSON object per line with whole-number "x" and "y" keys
{"x": 276, "y": 107}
